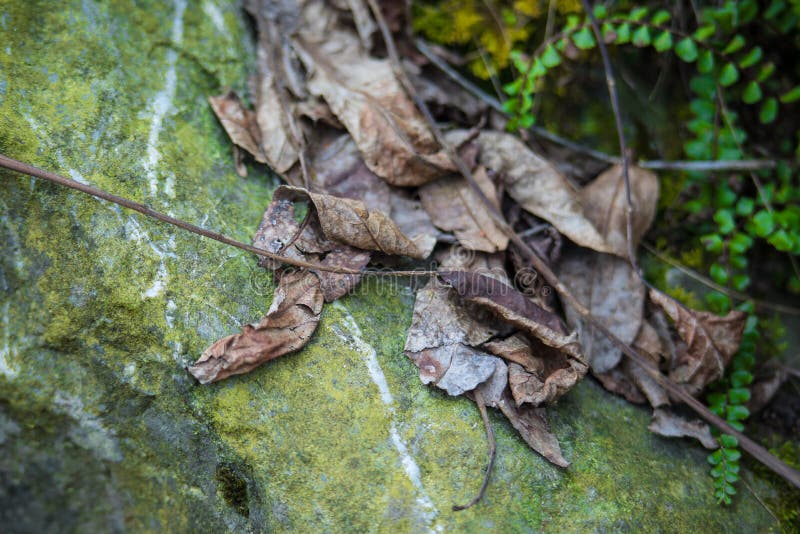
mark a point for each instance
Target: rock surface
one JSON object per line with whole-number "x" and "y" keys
{"x": 102, "y": 429}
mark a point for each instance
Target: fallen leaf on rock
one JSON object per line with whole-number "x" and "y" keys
{"x": 538, "y": 187}
{"x": 605, "y": 204}
{"x": 340, "y": 171}
{"x": 618, "y": 381}
{"x": 711, "y": 341}
{"x": 648, "y": 343}
{"x": 514, "y": 308}
{"x": 367, "y": 98}
{"x": 277, "y": 142}
{"x": 515, "y": 349}
{"x": 335, "y": 285}
{"x": 350, "y": 222}
{"x": 668, "y": 424}
{"x": 609, "y": 287}
{"x": 532, "y": 425}
{"x": 606, "y": 284}
{"x": 239, "y": 123}
{"x": 455, "y": 207}
{"x": 287, "y": 327}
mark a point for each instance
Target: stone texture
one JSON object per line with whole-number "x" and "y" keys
{"x": 102, "y": 429}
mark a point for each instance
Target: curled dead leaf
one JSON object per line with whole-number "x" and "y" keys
{"x": 455, "y": 207}
{"x": 515, "y": 308}
{"x": 533, "y": 426}
{"x": 239, "y": 123}
{"x": 711, "y": 341}
{"x": 287, "y": 327}
{"x": 349, "y": 222}
{"x": 539, "y": 187}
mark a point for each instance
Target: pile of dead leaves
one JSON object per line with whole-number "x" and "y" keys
{"x": 332, "y": 119}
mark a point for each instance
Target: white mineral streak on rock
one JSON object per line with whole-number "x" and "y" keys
{"x": 162, "y": 103}
{"x": 352, "y": 336}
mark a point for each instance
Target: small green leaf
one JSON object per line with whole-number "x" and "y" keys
{"x": 731, "y": 455}
{"x": 641, "y": 37}
{"x": 751, "y": 93}
{"x": 638, "y": 14}
{"x": 738, "y": 396}
{"x": 728, "y": 75}
{"x": 511, "y": 106}
{"x": 730, "y": 490}
{"x": 728, "y": 441}
{"x": 737, "y": 413}
{"x": 539, "y": 69}
{"x": 717, "y": 471}
{"x": 600, "y": 11}
{"x": 705, "y": 62}
{"x": 751, "y": 58}
{"x": 763, "y": 223}
{"x": 624, "y": 33}
{"x": 584, "y": 39}
{"x": 731, "y": 478}
{"x": 686, "y": 49}
{"x": 511, "y": 89}
{"x": 769, "y": 110}
{"x": 718, "y": 274}
{"x": 741, "y": 378}
{"x": 736, "y": 44}
{"x": 745, "y": 206}
{"x": 737, "y": 425}
{"x": 740, "y": 243}
{"x": 765, "y": 72}
{"x": 712, "y": 243}
{"x": 774, "y": 9}
{"x": 663, "y": 42}
{"x": 715, "y": 458}
{"x": 704, "y": 32}
{"x": 550, "y": 57}
{"x": 724, "y": 218}
{"x": 781, "y": 240}
{"x": 661, "y": 16}
{"x": 791, "y": 96}
{"x": 526, "y": 121}
{"x": 718, "y": 303}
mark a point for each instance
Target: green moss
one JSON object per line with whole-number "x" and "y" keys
{"x": 101, "y": 310}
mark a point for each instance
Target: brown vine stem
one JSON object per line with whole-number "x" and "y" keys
{"x": 754, "y": 449}
{"x": 656, "y": 165}
{"x": 713, "y": 285}
{"x": 30, "y": 170}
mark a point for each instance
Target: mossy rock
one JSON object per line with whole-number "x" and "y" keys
{"x": 101, "y": 427}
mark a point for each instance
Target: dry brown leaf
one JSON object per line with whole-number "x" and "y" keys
{"x": 605, "y": 205}
{"x": 366, "y": 97}
{"x": 455, "y": 207}
{"x": 349, "y": 222}
{"x": 278, "y": 233}
{"x": 532, "y": 425}
{"x": 768, "y": 380}
{"x": 239, "y": 123}
{"x": 277, "y": 142}
{"x": 538, "y": 187}
{"x": 537, "y": 374}
{"x": 515, "y": 349}
{"x": 340, "y": 171}
{"x": 287, "y": 327}
{"x": 609, "y": 287}
{"x": 711, "y": 341}
{"x": 668, "y": 424}
{"x": 618, "y": 381}
{"x": 515, "y": 308}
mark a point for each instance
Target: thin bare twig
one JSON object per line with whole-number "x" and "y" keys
{"x": 659, "y": 165}
{"x": 713, "y": 285}
{"x": 30, "y": 170}
{"x": 492, "y": 453}
{"x": 747, "y": 444}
